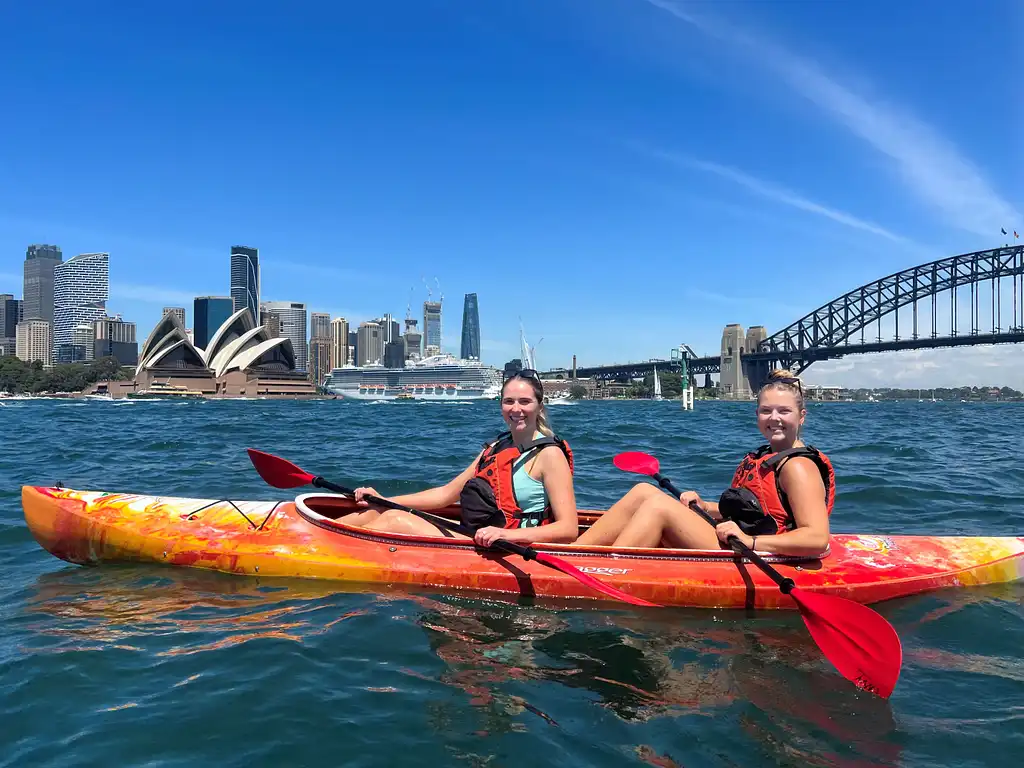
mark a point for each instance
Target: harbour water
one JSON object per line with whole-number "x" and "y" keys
{"x": 154, "y": 666}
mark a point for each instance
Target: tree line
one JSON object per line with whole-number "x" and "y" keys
{"x": 19, "y": 377}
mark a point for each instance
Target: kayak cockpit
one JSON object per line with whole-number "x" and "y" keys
{"x": 324, "y": 509}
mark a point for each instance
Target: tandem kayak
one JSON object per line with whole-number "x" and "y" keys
{"x": 301, "y": 538}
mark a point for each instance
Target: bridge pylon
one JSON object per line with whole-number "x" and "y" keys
{"x": 742, "y": 377}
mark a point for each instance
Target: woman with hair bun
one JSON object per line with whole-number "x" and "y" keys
{"x": 779, "y": 501}
{"x": 514, "y": 489}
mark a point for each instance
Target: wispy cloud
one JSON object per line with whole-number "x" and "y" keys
{"x": 929, "y": 165}
{"x": 776, "y": 193}
{"x": 154, "y": 294}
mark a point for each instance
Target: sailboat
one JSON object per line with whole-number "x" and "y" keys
{"x": 657, "y": 385}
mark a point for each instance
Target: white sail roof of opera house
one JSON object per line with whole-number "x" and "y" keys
{"x": 269, "y": 352}
{"x": 165, "y": 335}
{"x": 239, "y": 323}
{"x": 239, "y": 344}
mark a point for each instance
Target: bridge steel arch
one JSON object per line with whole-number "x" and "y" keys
{"x": 825, "y": 332}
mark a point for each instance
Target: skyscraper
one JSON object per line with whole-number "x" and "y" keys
{"x": 319, "y": 325}
{"x": 431, "y": 328}
{"x": 413, "y": 340}
{"x": 371, "y": 344}
{"x": 34, "y": 341}
{"x": 208, "y": 314}
{"x": 245, "y": 281}
{"x": 40, "y": 261}
{"x": 471, "y": 328}
{"x": 81, "y": 287}
{"x": 293, "y": 325}
{"x": 10, "y": 315}
{"x": 339, "y": 343}
{"x": 319, "y": 346}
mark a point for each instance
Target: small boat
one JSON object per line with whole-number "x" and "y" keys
{"x": 303, "y": 538}
{"x": 657, "y": 385}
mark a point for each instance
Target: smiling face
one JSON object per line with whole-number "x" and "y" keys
{"x": 779, "y": 417}
{"x": 520, "y": 408}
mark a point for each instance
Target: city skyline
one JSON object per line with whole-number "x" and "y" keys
{"x": 611, "y": 176}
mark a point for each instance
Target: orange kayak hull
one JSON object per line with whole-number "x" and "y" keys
{"x": 300, "y": 539}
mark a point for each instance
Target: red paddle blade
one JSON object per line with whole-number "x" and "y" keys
{"x": 278, "y": 472}
{"x": 637, "y": 461}
{"x": 561, "y": 565}
{"x": 859, "y": 642}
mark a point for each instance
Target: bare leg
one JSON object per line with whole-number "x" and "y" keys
{"x": 665, "y": 519}
{"x": 608, "y": 527}
{"x": 360, "y": 519}
{"x": 396, "y": 521}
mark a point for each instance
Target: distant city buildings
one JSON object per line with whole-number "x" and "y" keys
{"x": 470, "y": 328}
{"x": 292, "y": 316}
{"x": 431, "y": 328}
{"x": 390, "y": 328}
{"x": 113, "y": 337}
{"x": 245, "y": 279}
{"x": 81, "y": 287}
{"x": 70, "y": 298}
{"x": 40, "y": 262}
{"x": 208, "y": 314}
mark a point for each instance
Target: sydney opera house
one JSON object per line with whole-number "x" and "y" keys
{"x": 241, "y": 360}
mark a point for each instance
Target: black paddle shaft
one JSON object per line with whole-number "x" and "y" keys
{"x": 527, "y": 553}
{"x": 785, "y": 584}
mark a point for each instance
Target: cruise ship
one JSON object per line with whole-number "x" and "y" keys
{"x": 441, "y": 377}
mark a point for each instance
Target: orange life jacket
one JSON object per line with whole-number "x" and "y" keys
{"x": 759, "y": 473}
{"x": 489, "y": 498}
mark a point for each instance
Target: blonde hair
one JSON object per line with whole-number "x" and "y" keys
{"x": 785, "y": 380}
{"x": 543, "y": 423}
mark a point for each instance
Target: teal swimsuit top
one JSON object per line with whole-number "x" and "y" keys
{"x": 530, "y": 493}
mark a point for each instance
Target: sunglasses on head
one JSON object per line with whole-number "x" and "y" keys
{"x": 525, "y": 373}
{"x": 789, "y": 380}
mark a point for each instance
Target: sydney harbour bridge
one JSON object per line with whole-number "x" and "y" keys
{"x": 966, "y": 300}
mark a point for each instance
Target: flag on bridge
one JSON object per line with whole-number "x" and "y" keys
{"x": 1015, "y": 234}
{"x": 1002, "y": 230}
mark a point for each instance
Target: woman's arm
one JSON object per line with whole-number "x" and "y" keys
{"x": 557, "y": 479}
{"x": 801, "y": 481}
{"x": 432, "y": 498}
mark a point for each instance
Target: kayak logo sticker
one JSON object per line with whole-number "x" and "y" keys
{"x": 879, "y": 545}
{"x": 604, "y": 571}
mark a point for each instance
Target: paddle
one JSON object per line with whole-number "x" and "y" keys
{"x": 281, "y": 473}
{"x": 860, "y": 643}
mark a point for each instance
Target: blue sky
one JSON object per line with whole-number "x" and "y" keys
{"x": 624, "y": 175}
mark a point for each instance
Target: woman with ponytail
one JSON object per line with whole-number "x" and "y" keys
{"x": 514, "y": 489}
{"x": 779, "y": 501}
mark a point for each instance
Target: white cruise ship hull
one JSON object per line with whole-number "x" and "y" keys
{"x": 438, "y": 378}
{"x": 371, "y": 393}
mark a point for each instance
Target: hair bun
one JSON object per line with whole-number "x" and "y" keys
{"x": 782, "y": 373}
